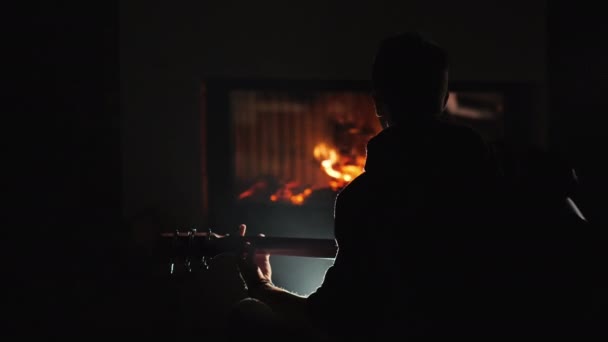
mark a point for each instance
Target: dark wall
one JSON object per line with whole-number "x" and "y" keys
{"x": 64, "y": 188}
{"x": 168, "y": 48}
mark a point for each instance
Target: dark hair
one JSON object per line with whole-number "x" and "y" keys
{"x": 408, "y": 74}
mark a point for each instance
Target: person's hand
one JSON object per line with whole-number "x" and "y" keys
{"x": 254, "y": 266}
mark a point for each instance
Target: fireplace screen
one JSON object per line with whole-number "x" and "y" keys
{"x": 290, "y": 145}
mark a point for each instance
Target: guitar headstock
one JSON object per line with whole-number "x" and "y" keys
{"x": 194, "y": 250}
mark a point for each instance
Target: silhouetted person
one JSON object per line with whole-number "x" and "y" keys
{"x": 422, "y": 251}
{"x": 403, "y": 226}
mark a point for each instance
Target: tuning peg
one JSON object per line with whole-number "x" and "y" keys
{"x": 190, "y": 250}
{"x": 173, "y": 258}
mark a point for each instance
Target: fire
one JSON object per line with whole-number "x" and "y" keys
{"x": 289, "y": 192}
{"x": 253, "y": 189}
{"x": 342, "y": 169}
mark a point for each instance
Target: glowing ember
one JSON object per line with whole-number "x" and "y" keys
{"x": 342, "y": 169}
{"x": 253, "y": 190}
{"x": 290, "y": 193}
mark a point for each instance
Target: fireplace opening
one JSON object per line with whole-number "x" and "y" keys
{"x": 276, "y": 154}
{"x": 292, "y": 146}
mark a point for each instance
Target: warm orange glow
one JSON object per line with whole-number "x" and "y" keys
{"x": 290, "y": 194}
{"x": 252, "y": 190}
{"x": 341, "y": 169}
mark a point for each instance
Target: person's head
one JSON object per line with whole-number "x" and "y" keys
{"x": 409, "y": 79}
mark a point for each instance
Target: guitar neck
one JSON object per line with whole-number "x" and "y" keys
{"x": 304, "y": 247}
{"x": 210, "y": 244}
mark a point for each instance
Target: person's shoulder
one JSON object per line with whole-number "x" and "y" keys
{"x": 355, "y": 192}
{"x": 354, "y": 186}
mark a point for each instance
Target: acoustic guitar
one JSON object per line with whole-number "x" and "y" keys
{"x": 189, "y": 247}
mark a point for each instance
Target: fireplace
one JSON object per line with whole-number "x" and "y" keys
{"x": 276, "y": 153}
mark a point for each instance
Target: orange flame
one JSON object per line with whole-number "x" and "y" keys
{"x": 253, "y": 189}
{"x": 290, "y": 192}
{"x": 286, "y": 193}
{"x": 340, "y": 168}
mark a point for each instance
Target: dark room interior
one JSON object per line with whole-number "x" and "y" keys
{"x": 193, "y": 117}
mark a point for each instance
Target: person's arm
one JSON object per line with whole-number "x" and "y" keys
{"x": 257, "y": 273}
{"x": 321, "y": 308}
